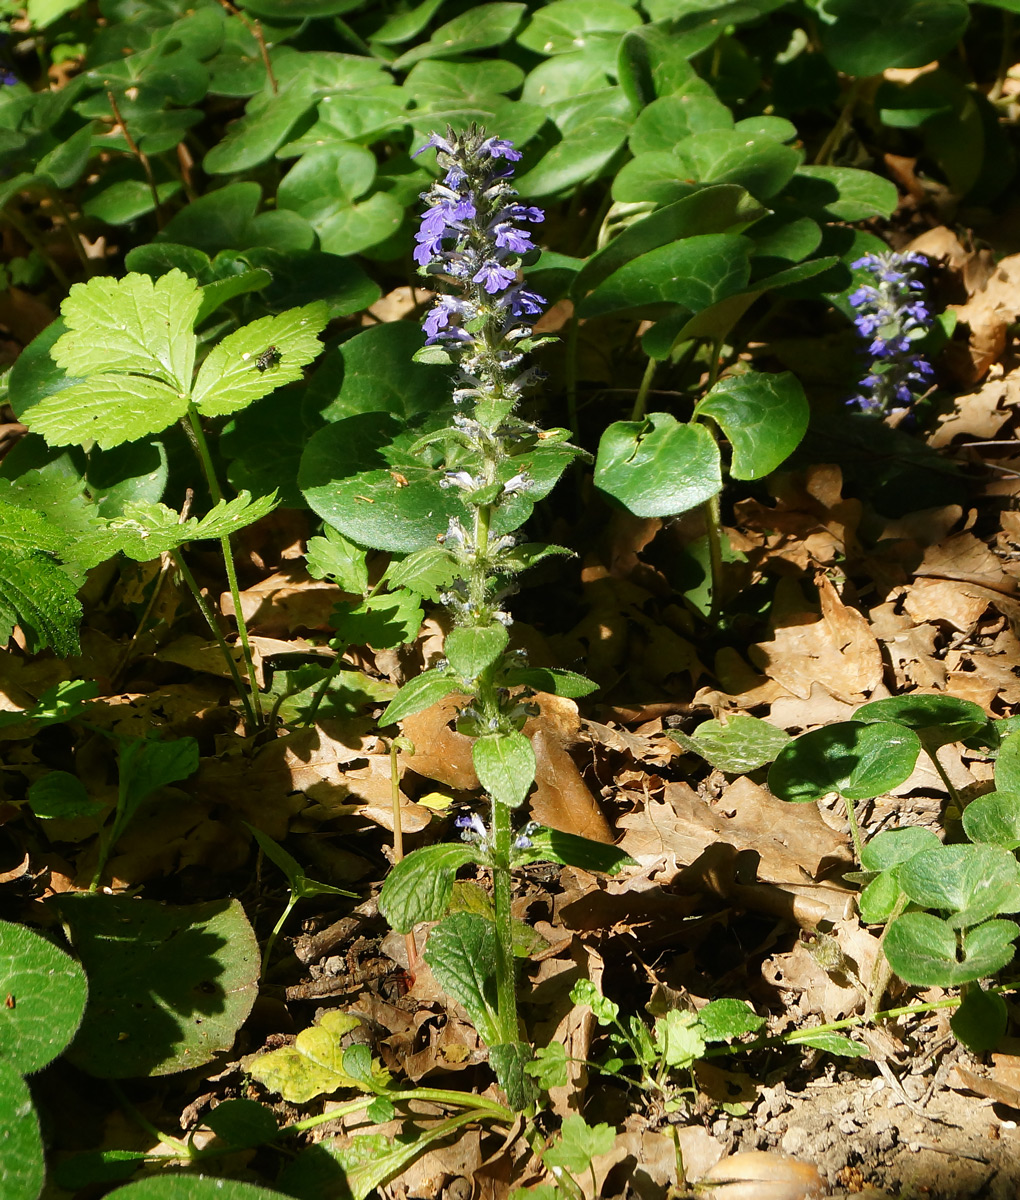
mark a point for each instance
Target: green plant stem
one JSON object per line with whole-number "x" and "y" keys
{"x": 198, "y": 440}
{"x": 1005, "y": 58}
{"x": 72, "y": 230}
{"x": 271, "y": 940}
{"x": 882, "y": 972}
{"x": 410, "y": 945}
{"x": 206, "y": 611}
{"x": 138, "y": 1116}
{"x": 710, "y": 509}
{"x": 32, "y": 239}
{"x": 947, "y": 783}
{"x": 641, "y": 399}
{"x": 855, "y": 829}
{"x": 570, "y": 371}
{"x": 842, "y": 126}
{"x": 502, "y": 896}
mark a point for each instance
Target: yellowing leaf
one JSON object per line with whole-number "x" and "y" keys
{"x": 313, "y": 1066}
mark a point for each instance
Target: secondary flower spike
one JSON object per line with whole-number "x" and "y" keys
{"x": 891, "y": 316}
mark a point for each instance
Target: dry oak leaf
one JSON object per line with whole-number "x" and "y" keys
{"x": 979, "y": 414}
{"x": 988, "y": 313}
{"x": 285, "y": 602}
{"x": 910, "y": 647}
{"x": 835, "y": 648}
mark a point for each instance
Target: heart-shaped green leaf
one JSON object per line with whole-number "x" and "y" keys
{"x": 858, "y": 761}
{"x": 763, "y": 416}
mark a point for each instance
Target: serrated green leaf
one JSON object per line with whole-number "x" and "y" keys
{"x": 334, "y": 557}
{"x": 470, "y": 649}
{"x": 237, "y": 371}
{"x": 419, "y": 887}
{"x": 108, "y": 409}
{"x": 505, "y": 766}
{"x": 578, "y": 1144}
{"x": 549, "y": 1066}
{"x": 426, "y": 572}
{"x": 585, "y": 992}
{"x": 679, "y": 1037}
{"x": 133, "y": 325}
{"x": 728, "y": 1018}
{"x": 382, "y": 621}
{"x": 37, "y": 594}
{"x": 461, "y": 950}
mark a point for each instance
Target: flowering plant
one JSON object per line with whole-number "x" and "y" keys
{"x": 475, "y": 235}
{"x": 892, "y": 317}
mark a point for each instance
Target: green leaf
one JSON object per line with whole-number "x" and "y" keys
{"x": 22, "y": 1163}
{"x": 427, "y": 572}
{"x": 402, "y": 26}
{"x": 373, "y": 372}
{"x": 841, "y": 193}
{"x": 108, "y": 409}
{"x": 880, "y": 897}
{"x": 461, "y": 950}
{"x": 578, "y": 1144}
{"x": 417, "y": 694}
{"x": 585, "y": 992}
{"x": 553, "y": 845}
{"x": 47, "y": 993}
{"x": 479, "y": 28}
{"x": 57, "y": 704}
{"x": 550, "y": 679}
{"x": 829, "y": 1042}
{"x": 712, "y": 210}
{"x": 472, "y": 648}
{"x": 238, "y": 372}
{"x": 585, "y": 149}
{"x": 510, "y": 1061}
{"x": 505, "y": 765}
{"x": 314, "y": 1064}
{"x": 658, "y": 467}
{"x": 679, "y": 1038}
{"x": 995, "y": 819}
{"x": 1007, "y": 764}
{"x": 922, "y": 950}
{"x": 60, "y": 794}
{"x": 938, "y": 720}
{"x": 169, "y": 985}
{"x": 37, "y": 594}
{"x": 668, "y": 120}
{"x": 262, "y": 130}
{"x": 763, "y": 416}
{"x": 243, "y": 1124}
{"x": 728, "y": 1018}
{"x": 356, "y": 476}
{"x": 737, "y": 745}
{"x": 981, "y": 1020}
{"x": 694, "y": 272}
{"x": 971, "y": 883}
{"x": 220, "y": 291}
{"x": 857, "y": 761}
{"x": 174, "y": 1186}
{"x": 383, "y": 621}
{"x": 867, "y": 37}
{"x": 419, "y": 887}
{"x": 565, "y": 26}
{"x": 893, "y": 847}
{"x": 549, "y": 1066}
{"x": 470, "y": 897}
{"x": 134, "y": 324}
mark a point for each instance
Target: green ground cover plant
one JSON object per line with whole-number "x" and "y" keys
{"x": 467, "y": 317}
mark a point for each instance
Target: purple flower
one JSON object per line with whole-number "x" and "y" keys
{"x": 891, "y": 317}
{"x": 494, "y": 276}
{"x": 499, "y": 148}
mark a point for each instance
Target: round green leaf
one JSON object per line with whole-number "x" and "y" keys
{"x": 939, "y": 720}
{"x": 658, "y": 467}
{"x": 21, "y": 1161}
{"x": 895, "y": 846}
{"x": 242, "y": 1123}
{"x": 970, "y": 882}
{"x": 694, "y": 272}
{"x": 42, "y": 999}
{"x": 994, "y": 819}
{"x": 867, "y": 37}
{"x": 1007, "y": 763}
{"x": 481, "y": 26}
{"x": 763, "y": 416}
{"x": 980, "y": 1021}
{"x": 857, "y": 761}
{"x": 169, "y": 985}
{"x": 193, "y": 1187}
{"x": 355, "y": 476}
{"x": 922, "y": 950}
{"x": 566, "y": 25}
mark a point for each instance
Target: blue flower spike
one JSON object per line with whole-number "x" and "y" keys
{"x": 891, "y": 317}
